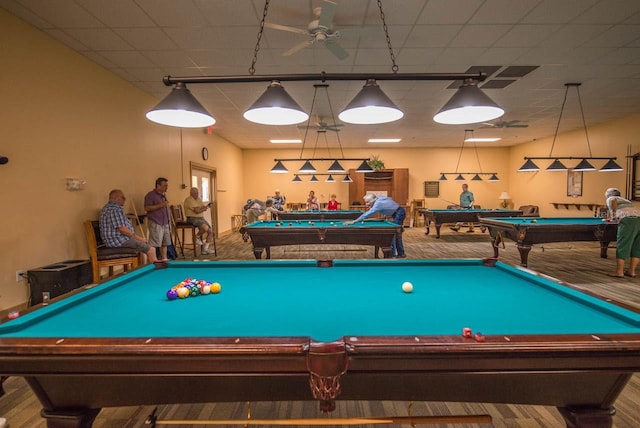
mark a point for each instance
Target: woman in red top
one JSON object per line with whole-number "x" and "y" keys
{"x": 333, "y": 204}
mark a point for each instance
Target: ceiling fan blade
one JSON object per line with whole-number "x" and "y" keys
{"x": 298, "y": 47}
{"x": 489, "y": 124}
{"x": 336, "y": 49}
{"x": 352, "y": 32}
{"x": 517, "y": 126}
{"x": 326, "y": 16}
{"x": 285, "y": 28}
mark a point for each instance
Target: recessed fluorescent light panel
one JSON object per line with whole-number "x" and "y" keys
{"x": 385, "y": 140}
{"x": 482, "y": 140}
{"x": 286, "y": 141}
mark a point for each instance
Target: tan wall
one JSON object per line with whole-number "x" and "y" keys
{"x": 615, "y": 138}
{"x": 64, "y": 116}
{"x": 425, "y": 164}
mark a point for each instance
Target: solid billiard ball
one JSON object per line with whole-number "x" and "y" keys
{"x": 172, "y": 294}
{"x": 479, "y": 337}
{"x": 13, "y": 315}
{"x": 534, "y": 221}
{"x": 183, "y": 292}
{"x": 216, "y": 288}
{"x": 407, "y": 287}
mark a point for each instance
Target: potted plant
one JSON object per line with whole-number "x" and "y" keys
{"x": 375, "y": 163}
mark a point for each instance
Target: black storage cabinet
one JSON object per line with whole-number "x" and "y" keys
{"x": 57, "y": 279}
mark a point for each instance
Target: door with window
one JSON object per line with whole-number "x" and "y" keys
{"x": 205, "y": 180}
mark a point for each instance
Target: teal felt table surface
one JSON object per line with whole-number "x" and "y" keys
{"x": 321, "y": 224}
{"x": 351, "y": 298}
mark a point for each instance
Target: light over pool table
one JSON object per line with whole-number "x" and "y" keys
{"x": 325, "y": 331}
{"x": 527, "y": 231}
{"x": 307, "y": 215}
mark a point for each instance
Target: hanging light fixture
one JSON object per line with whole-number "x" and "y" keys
{"x": 275, "y": 107}
{"x": 556, "y": 165}
{"x": 335, "y": 167}
{"x": 347, "y": 179}
{"x": 468, "y": 105}
{"x": 279, "y": 168}
{"x": 307, "y": 167}
{"x": 364, "y": 167}
{"x": 330, "y": 179}
{"x": 296, "y": 178}
{"x": 371, "y": 106}
{"x": 476, "y": 175}
{"x": 314, "y": 178}
{"x": 180, "y": 108}
{"x": 584, "y": 164}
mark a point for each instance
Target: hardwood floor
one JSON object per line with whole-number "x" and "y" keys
{"x": 576, "y": 263}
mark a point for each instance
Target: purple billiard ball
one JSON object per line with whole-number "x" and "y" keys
{"x": 172, "y": 294}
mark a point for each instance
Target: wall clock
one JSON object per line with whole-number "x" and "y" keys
{"x": 205, "y": 153}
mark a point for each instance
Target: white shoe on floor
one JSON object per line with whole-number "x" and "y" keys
{"x": 3, "y": 422}
{"x": 198, "y": 241}
{"x": 206, "y": 251}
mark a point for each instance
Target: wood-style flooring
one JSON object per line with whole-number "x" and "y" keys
{"x": 576, "y": 263}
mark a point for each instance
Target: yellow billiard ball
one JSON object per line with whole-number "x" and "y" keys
{"x": 407, "y": 287}
{"x": 216, "y": 288}
{"x": 534, "y": 221}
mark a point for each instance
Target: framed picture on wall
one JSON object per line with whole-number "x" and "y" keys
{"x": 574, "y": 183}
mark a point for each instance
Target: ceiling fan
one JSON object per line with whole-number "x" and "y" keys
{"x": 320, "y": 30}
{"x": 505, "y": 124}
{"x": 321, "y": 126}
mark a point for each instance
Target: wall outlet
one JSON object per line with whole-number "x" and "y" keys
{"x": 20, "y": 275}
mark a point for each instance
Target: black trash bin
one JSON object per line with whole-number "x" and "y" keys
{"x": 57, "y": 279}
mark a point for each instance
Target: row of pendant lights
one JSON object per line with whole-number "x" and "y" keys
{"x": 557, "y": 165}
{"x": 276, "y": 107}
{"x": 476, "y": 176}
{"x": 308, "y": 167}
{"x": 314, "y": 178}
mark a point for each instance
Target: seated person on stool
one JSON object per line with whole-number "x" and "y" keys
{"x": 279, "y": 200}
{"x": 117, "y": 231}
{"x": 194, "y": 209}
{"x": 466, "y": 202}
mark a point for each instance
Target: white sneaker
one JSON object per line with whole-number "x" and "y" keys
{"x": 3, "y": 422}
{"x": 206, "y": 251}
{"x": 198, "y": 241}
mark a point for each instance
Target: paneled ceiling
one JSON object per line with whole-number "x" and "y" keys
{"x": 530, "y": 48}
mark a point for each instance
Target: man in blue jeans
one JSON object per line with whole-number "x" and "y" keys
{"x": 389, "y": 208}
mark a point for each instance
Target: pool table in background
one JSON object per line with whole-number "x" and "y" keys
{"x": 265, "y": 234}
{"x": 325, "y": 331}
{"x": 320, "y": 215}
{"x": 440, "y": 217}
{"x": 527, "y": 231}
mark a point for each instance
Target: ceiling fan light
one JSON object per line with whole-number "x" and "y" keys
{"x": 468, "y": 105}
{"x": 529, "y": 166}
{"x": 611, "y": 166}
{"x": 364, "y": 167}
{"x": 307, "y": 167}
{"x": 584, "y": 165}
{"x": 279, "y": 168}
{"x": 442, "y": 177}
{"x": 493, "y": 177}
{"x": 275, "y": 107}
{"x": 347, "y": 179}
{"x": 556, "y": 165}
{"x": 335, "y": 167}
{"x": 181, "y": 109}
{"x": 371, "y": 106}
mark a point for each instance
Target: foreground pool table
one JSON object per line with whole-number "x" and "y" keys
{"x": 325, "y": 331}
{"x": 265, "y": 234}
{"x": 320, "y": 215}
{"x": 440, "y": 217}
{"x": 528, "y": 231}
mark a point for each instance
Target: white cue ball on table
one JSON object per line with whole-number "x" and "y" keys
{"x": 407, "y": 287}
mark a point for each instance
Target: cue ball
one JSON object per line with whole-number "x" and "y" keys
{"x": 407, "y": 287}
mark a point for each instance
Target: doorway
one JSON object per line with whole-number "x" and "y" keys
{"x": 204, "y": 178}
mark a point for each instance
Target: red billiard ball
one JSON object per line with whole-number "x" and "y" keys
{"x": 13, "y": 315}
{"x": 466, "y": 332}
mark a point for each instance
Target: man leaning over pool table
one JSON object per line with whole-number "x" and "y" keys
{"x": 388, "y": 207}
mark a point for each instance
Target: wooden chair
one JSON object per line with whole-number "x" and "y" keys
{"x": 180, "y": 225}
{"x": 105, "y": 257}
{"x": 417, "y": 204}
{"x": 530, "y": 211}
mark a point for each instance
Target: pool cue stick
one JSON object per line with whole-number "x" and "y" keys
{"x": 135, "y": 212}
{"x": 173, "y": 230}
{"x": 413, "y": 420}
